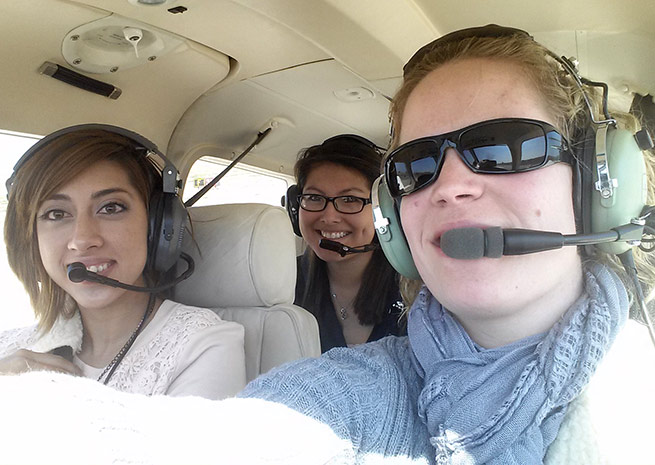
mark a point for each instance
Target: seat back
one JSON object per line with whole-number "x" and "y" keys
{"x": 246, "y": 272}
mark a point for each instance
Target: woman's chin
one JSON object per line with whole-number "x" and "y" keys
{"x": 329, "y": 256}
{"x": 92, "y": 295}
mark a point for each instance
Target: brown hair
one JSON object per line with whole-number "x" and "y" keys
{"x": 563, "y": 97}
{"x": 50, "y": 167}
{"x": 363, "y": 156}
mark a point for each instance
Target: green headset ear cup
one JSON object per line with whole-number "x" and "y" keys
{"x": 389, "y": 231}
{"x": 626, "y": 165}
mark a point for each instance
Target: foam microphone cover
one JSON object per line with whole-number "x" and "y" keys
{"x": 473, "y": 243}
{"x": 494, "y": 243}
{"x": 463, "y": 243}
{"x": 327, "y": 244}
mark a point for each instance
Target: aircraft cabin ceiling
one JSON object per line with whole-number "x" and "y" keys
{"x": 207, "y": 75}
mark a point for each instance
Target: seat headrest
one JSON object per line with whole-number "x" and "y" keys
{"x": 245, "y": 257}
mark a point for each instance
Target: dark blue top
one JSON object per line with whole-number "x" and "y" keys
{"x": 328, "y": 324}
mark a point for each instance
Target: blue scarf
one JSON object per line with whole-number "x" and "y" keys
{"x": 505, "y": 405}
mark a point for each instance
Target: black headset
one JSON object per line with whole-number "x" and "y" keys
{"x": 609, "y": 178}
{"x": 167, "y": 216}
{"x": 291, "y": 201}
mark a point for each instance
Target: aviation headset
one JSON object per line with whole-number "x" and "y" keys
{"x": 167, "y": 216}
{"x": 610, "y": 183}
{"x": 291, "y": 198}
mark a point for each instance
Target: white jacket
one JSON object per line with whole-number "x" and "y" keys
{"x": 182, "y": 351}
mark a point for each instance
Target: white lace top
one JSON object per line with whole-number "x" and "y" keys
{"x": 182, "y": 351}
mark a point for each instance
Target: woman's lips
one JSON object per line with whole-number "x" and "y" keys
{"x": 332, "y": 235}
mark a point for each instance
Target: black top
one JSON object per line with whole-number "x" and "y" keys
{"x": 329, "y": 327}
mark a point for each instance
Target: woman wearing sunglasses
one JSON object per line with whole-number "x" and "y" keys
{"x": 484, "y": 130}
{"x": 499, "y": 351}
{"x": 343, "y": 291}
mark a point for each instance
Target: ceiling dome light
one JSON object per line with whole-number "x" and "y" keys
{"x": 115, "y": 43}
{"x": 149, "y": 2}
{"x": 354, "y": 94}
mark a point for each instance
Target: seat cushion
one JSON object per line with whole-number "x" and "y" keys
{"x": 245, "y": 257}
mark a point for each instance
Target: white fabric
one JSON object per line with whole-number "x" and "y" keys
{"x": 182, "y": 351}
{"x": 65, "y": 332}
{"x": 76, "y": 421}
{"x": 105, "y": 426}
{"x": 611, "y": 423}
{"x": 246, "y": 272}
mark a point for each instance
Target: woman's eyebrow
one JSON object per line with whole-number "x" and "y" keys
{"x": 347, "y": 191}
{"x": 95, "y": 195}
{"x": 59, "y": 197}
{"x": 109, "y": 191}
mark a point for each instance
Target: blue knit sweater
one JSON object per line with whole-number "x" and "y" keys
{"x": 368, "y": 395}
{"x": 440, "y": 394}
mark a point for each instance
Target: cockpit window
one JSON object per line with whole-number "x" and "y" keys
{"x": 242, "y": 184}
{"x": 12, "y": 147}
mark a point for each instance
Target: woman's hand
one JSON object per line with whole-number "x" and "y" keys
{"x": 24, "y": 360}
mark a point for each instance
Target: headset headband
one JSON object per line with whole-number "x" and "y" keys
{"x": 490, "y": 30}
{"x": 353, "y": 137}
{"x": 153, "y": 155}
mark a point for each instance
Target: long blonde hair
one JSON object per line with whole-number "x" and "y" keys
{"x": 564, "y": 100}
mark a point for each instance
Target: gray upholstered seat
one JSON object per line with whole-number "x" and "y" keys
{"x": 246, "y": 272}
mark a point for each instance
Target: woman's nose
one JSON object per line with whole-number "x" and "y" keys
{"x": 85, "y": 235}
{"x": 456, "y": 182}
{"x": 330, "y": 213}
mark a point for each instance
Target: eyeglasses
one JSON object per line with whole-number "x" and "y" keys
{"x": 348, "y": 204}
{"x": 500, "y": 146}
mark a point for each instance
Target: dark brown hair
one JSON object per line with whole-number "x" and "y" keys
{"x": 361, "y": 155}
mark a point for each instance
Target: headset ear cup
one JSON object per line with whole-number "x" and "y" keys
{"x": 389, "y": 231}
{"x": 626, "y": 166}
{"x": 154, "y": 227}
{"x": 583, "y": 179}
{"x": 168, "y": 221}
{"x": 293, "y": 207}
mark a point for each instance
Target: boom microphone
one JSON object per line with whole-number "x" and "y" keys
{"x": 77, "y": 273}
{"x": 344, "y": 250}
{"x": 474, "y": 243}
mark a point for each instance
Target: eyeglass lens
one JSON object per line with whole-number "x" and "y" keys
{"x": 343, "y": 204}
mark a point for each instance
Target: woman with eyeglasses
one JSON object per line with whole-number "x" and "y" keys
{"x": 354, "y": 297}
{"x": 491, "y": 130}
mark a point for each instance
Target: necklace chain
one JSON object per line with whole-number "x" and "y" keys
{"x": 343, "y": 310}
{"x": 121, "y": 353}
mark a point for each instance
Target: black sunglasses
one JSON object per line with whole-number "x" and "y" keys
{"x": 499, "y": 146}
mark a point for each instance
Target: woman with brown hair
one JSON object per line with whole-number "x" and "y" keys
{"x": 342, "y": 291}
{"x": 99, "y": 201}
